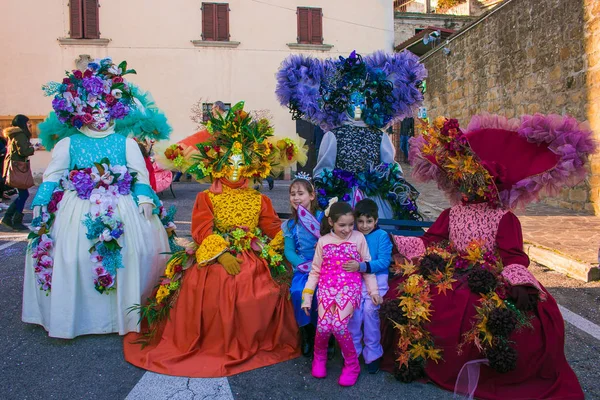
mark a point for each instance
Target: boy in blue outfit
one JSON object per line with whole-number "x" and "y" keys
{"x": 366, "y": 214}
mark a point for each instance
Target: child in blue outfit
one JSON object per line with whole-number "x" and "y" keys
{"x": 301, "y": 234}
{"x": 366, "y": 214}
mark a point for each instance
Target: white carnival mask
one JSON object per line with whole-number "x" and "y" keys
{"x": 101, "y": 119}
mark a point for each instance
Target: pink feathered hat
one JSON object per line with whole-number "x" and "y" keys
{"x": 525, "y": 158}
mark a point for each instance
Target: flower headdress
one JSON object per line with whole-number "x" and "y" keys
{"x": 385, "y": 86}
{"x": 507, "y": 162}
{"x": 100, "y": 85}
{"x": 143, "y": 121}
{"x": 237, "y": 133}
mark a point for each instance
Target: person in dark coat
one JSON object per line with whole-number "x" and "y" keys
{"x": 2, "y": 157}
{"x": 19, "y": 149}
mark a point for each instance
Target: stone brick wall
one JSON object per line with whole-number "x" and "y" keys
{"x": 523, "y": 58}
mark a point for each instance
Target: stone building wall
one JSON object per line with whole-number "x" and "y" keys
{"x": 526, "y": 57}
{"x": 405, "y": 23}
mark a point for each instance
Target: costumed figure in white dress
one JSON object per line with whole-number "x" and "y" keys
{"x": 352, "y": 99}
{"x": 97, "y": 236}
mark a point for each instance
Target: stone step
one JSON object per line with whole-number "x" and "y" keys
{"x": 560, "y": 262}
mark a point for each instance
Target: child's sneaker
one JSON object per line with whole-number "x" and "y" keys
{"x": 373, "y": 367}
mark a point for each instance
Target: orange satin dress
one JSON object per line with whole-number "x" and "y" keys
{"x": 223, "y": 325}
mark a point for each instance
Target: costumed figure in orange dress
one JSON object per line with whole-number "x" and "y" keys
{"x": 466, "y": 312}
{"x": 222, "y": 306}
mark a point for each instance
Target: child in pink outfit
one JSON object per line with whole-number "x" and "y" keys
{"x": 339, "y": 291}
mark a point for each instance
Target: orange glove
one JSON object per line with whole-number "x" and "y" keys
{"x": 230, "y": 263}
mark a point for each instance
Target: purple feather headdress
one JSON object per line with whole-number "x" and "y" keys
{"x": 308, "y": 86}
{"x": 564, "y": 136}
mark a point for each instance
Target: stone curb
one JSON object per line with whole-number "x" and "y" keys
{"x": 561, "y": 262}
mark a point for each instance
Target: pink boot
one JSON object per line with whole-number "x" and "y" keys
{"x": 351, "y": 369}
{"x": 319, "y": 364}
{"x": 350, "y": 372}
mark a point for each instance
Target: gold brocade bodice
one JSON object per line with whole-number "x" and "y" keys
{"x": 235, "y": 207}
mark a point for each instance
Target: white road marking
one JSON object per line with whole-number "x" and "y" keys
{"x": 7, "y": 245}
{"x": 154, "y": 386}
{"x": 579, "y": 322}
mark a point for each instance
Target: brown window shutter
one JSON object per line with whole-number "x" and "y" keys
{"x": 75, "y": 12}
{"x": 316, "y": 24}
{"x": 209, "y": 31}
{"x": 91, "y": 23}
{"x": 223, "y": 22}
{"x": 303, "y": 25}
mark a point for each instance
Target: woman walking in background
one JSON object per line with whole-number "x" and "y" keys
{"x": 18, "y": 150}
{"x": 2, "y": 157}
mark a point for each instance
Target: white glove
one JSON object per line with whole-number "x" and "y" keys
{"x": 37, "y": 211}
{"x": 146, "y": 210}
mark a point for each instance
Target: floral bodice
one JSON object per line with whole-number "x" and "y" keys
{"x": 335, "y": 284}
{"x": 474, "y": 222}
{"x": 85, "y": 151}
{"x": 235, "y": 207}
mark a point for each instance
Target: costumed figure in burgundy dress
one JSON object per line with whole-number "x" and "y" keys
{"x": 467, "y": 313}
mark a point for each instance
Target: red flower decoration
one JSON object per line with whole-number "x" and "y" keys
{"x": 110, "y": 99}
{"x": 87, "y": 118}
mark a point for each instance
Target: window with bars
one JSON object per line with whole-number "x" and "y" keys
{"x": 84, "y": 19}
{"x": 215, "y": 22}
{"x": 207, "y": 110}
{"x": 310, "y": 25}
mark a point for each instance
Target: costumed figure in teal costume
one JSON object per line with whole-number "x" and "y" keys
{"x": 97, "y": 241}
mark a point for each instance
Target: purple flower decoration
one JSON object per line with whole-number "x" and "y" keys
{"x": 83, "y": 184}
{"x": 59, "y": 104}
{"x": 346, "y": 176}
{"x": 119, "y": 110}
{"x": 461, "y": 263}
{"x": 116, "y": 233}
{"x": 124, "y": 185}
{"x": 77, "y": 122}
{"x": 93, "y": 85}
